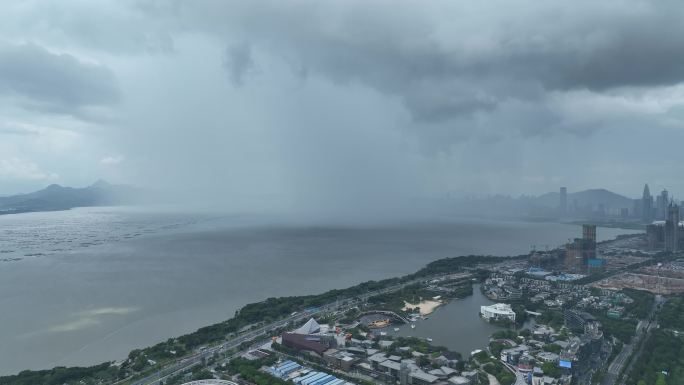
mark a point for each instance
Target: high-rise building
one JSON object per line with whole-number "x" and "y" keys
{"x": 573, "y": 256}
{"x": 580, "y": 254}
{"x": 563, "y": 204}
{"x": 646, "y": 205}
{"x": 636, "y": 208}
{"x": 672, "y": 228}
{"x": 589, "y": 233}
{"x": 662, "y": 204}
{"x": 659, "y": 208}
{"x": 588, "y": 244}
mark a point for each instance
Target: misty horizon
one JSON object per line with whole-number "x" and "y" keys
{"x": 328, "y": 107}
{"x": 591, "y": 204}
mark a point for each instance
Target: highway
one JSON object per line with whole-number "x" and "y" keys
{"x": 188, "y": 362}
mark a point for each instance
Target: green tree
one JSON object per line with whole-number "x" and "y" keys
{"x": 551, "y": 369}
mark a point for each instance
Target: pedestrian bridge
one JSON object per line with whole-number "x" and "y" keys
{"x": 210, "y": 382}
{"x": 387, "y": 313}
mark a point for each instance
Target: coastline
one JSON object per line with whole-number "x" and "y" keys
{"x": 426, "y": 306}
{"x": 282, "y": 310}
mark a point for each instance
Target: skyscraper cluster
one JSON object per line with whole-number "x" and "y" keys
{"x": 653, "y": 210}
{"x": 664, "y": 229}
{"x": 598, "y": 204}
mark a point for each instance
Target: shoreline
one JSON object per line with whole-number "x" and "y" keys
{"x": 213, "y": 337}
{"x": 437, "y": 269}
{"x": 426, "y": 306}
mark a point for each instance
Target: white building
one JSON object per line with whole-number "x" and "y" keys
{"x": 498, "y": 311}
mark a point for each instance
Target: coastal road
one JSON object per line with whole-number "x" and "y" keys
{"x": 492, "y": 380}
{"x": 188, "y": 362}
{"x": 519, "y": 376}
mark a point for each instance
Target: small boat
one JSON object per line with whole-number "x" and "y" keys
{"x": 413, "y": 326}
{"x": 383, "y": 333}
{"x": 429, "y": 339}
{"x": 396, "y": 329}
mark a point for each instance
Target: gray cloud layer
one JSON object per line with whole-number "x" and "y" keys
{"x": 54, "y": 81}
{"x": 331, "y": 104}
{"x": 471, "y": 58}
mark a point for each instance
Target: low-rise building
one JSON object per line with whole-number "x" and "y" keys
{"x": 311, "y": 343}
{"x": 547, "y": 357}
{"x": 419, "y": 377}
{"x": 459, "y": 380}
{"x": 498, "y": 311}
{"x": 339, "y": 359}
{"x": 471, "y": 375}
{"x": 376, "y": 359}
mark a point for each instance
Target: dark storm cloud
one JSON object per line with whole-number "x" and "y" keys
{"x": 469, "y": 63}
{"x": 239, "y": 62}
{"x": 630, "y": 56}
{"x": 444, "y": 60}
{"x": 54, "y": 82}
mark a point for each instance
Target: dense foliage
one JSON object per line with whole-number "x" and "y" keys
{"x": 551, "y": 369}
{"x": 662, "y": 362}
{"x": 643, "y": 302}
{"x": 249, "y": 371}
{"x": 498, "y": 370}
{"x": 623, "y": 329}
{"x": 505, "y": 334}
{"x": 495, "y": 347}
{"x": 552, "y": 318}
{"x": 454, "y": 264}
{"x": 98, "y": 374}
{"x": 671, "y": 316}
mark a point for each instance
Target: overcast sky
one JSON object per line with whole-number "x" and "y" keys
{"x": 332, "y": 103}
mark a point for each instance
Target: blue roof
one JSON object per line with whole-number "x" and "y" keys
{"x": 316, "y": 377}
{"x": 323, "y": 380}
{"x": 306, "y": 377}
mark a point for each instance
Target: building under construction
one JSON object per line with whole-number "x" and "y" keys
{"x": 667, "y": 235}
{"x": 580, "y": 254}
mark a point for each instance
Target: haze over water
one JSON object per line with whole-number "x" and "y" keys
{"x": 99, "y": 282}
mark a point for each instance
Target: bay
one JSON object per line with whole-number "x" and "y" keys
{"x": 94, "y": 283}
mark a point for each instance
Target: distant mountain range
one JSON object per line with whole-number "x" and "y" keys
{"x": 55, "y": 197}
{"x": 581, "y": 204}
{"x": 592, "y": 198}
